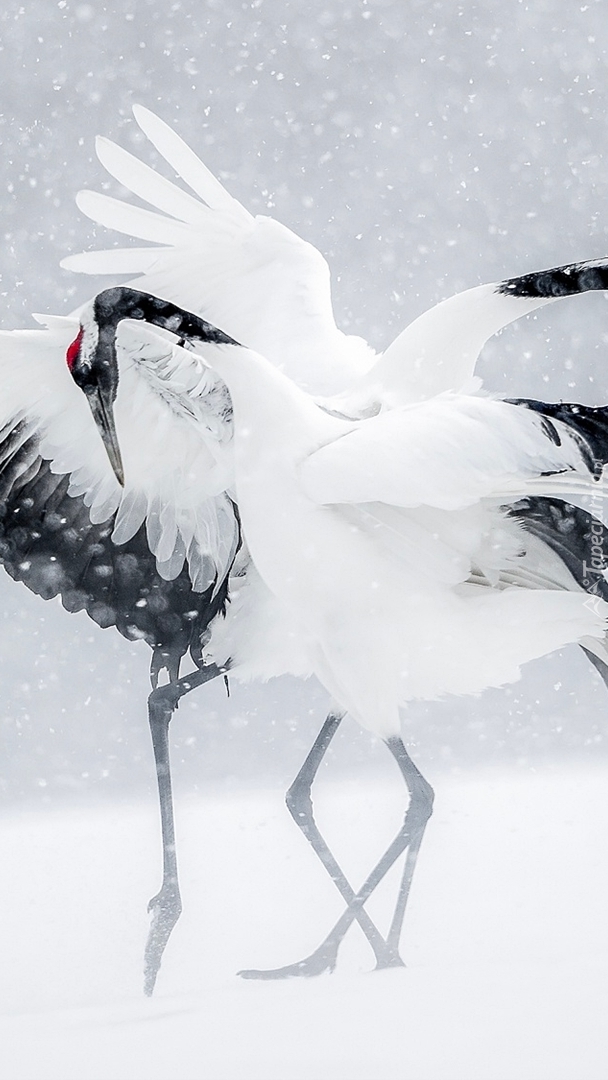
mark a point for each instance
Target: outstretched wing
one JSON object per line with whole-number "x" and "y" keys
{"x": 48, "y": 541}
{"x": 68, "y": 529}
{"x": 270, "y": 289}
{"x": 440, "y": 349}
{"x": 252, "y": 276}
{"x": 455, "y": 450}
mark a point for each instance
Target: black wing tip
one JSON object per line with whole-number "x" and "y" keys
{"x": 568, "y": 280}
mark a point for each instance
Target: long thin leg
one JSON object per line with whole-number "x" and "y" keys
{"x": 166, "y": 906}
{"x": 409, "y": 836}
{"x": 407, "y": 767}
{"x": 300, "y": 806}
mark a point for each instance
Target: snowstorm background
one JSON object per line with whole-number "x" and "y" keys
{"x": 424, "y": 148}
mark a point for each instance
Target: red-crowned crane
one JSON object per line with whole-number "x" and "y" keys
{"x": 156, "y": 550}
{"x": 403, "y": 545}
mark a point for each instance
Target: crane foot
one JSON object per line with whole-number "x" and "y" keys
{"x": 165, "y": 908}
{"x": 323, "y": 959}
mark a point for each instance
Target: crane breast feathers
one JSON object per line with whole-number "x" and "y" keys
{"x": 448, "y": 453}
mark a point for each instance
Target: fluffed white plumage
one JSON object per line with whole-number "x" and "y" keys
{"x": 369, "y": 530}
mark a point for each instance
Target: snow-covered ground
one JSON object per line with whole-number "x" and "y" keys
{"x": 506, "y": 939}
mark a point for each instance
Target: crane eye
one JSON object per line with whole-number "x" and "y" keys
{"x": 73, "y": 351}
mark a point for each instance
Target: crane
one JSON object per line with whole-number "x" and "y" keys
{"x": 405, "y": 544}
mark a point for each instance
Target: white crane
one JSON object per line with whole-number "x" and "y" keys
{"x": 161, "y": 557}
{"x": 400, "y": 544}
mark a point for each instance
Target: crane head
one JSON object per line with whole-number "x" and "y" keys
{"x": 94, "y": 369}
{"x": 91, "y": 358}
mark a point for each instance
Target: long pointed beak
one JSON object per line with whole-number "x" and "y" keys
{"x": 103, "y": 414}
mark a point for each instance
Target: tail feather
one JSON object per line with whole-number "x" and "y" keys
{"x": 588, "y": 424}
{"x": 581, "y": 542}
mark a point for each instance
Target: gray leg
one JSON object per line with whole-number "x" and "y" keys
{"x": 166, "y": 906}
{"x": 425, "y": 796}
{"x": 300, "y": 806}
{"x": 410, "y": 837}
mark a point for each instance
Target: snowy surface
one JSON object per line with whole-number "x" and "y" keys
{"x": 506, "y": 939}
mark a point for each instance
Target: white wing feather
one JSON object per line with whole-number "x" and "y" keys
{"x": 185, "y": 162}
{"x": 177, "y": 457}
{"x": 252, "y": 277}
{"x": 449, "y": 452}
{"x": 270, "y": 290}
{"x": 153, "y": 188}
{"x": 440, "y": 349}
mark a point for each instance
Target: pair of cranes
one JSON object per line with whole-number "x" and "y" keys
{"x": 268, "y": 496}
